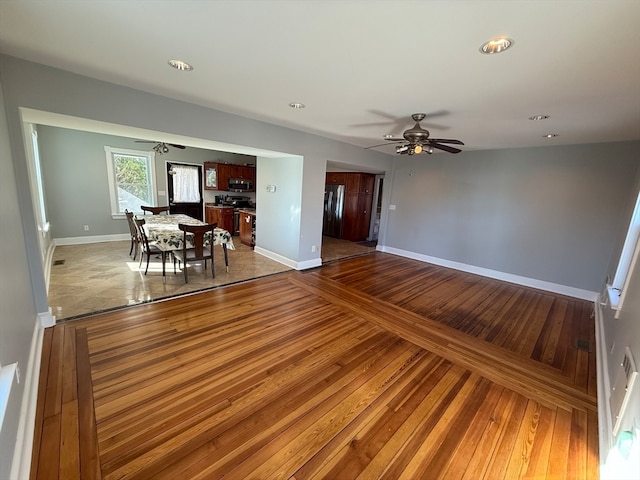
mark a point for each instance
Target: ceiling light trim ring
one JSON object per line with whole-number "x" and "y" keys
{"x": 180, "y": 65}
{"x": 496, "y": 45}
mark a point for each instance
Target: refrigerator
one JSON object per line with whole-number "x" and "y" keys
{"x": 333, "y": 208}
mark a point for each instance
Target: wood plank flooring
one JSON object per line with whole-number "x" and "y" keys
{"x": 370, "y": 367}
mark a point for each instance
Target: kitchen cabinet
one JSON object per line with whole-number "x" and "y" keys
{"x": 247, "y": 228}
{"x": 367, "y": 183}
{"x": 358, "y": 201}
{"x": 217, "y": 175}
{"x": 210, "y": 176}
{"x": 221, "y": 215}
{"x": 334, "y": 178}
{"x": 356, "y": 217}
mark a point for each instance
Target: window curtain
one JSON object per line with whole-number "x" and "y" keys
{"x": 185, "y": 184}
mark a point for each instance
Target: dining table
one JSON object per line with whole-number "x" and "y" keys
{"x": 164, "y": 231}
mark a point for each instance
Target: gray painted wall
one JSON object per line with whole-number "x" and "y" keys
{"x": 552, "y": 214}
{"x": 286, "y": 175}
{"x": 75, "y": 178}
{"x": 19, "y": 314}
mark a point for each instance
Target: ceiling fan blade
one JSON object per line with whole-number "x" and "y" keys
{"x": 145, "y": 141}
{"x": 392, "y": 140}
{"x": 444, "y": 140}
{"x": 177, "y": 146}
{"x": 446, "y": 148}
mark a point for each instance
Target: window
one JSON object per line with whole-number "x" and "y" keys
{"x": 627, "y": 259}
{"x": 131, "y": 176}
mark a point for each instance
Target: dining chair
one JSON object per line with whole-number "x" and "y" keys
{"x": 199, "y": 251}
{"x": 149, "y": 248}
{"x": 154, "y": 210}
{"x": 135, "y": 234}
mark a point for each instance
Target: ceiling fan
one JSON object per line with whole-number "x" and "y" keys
{"x": 161, "y": 147}
{"x": 416, "y": 140}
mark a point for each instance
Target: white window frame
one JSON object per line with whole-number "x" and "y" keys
{"x": 113, "y": 193}
{"x": 630, "y": 251}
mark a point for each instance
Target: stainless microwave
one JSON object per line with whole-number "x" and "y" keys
{"x": 239, "y": 185}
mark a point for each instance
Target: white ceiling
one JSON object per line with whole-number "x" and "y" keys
{"x": 362, "y": 67}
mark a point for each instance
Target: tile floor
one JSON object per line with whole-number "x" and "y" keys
{"x": 98, "y": 277}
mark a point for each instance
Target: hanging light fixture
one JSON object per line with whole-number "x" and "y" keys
{"x": 161, "y": 148}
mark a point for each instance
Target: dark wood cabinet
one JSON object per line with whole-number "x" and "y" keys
{"x": 367, "y": 183}
{"x": 223, "y": 216}
{"x": 358, "y": 200}
{"x": 247, "y": 228}
{"x": 334, "y": 178}
{"x": 210, "y": 176}
{"x": 217, "y": 175}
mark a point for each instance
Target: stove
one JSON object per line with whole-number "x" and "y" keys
{"x": 234, "y": 201}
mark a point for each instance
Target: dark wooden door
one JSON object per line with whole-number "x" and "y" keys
{"x": 193, "y": 209}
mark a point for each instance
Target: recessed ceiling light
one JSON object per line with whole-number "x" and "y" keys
{"x": 496, "y": 45}
{"x": 180, "y": 65}
{"x": 550, "y": 135}
{"x": 297, "y": 105}
{"x": 539, "y": 117}
{"x": 387, "y": 136}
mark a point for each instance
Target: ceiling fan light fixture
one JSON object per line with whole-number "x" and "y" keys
{"x": 180, "y": 65}
{"x": 417, "y": 149}
{"x": 496, "y": 45}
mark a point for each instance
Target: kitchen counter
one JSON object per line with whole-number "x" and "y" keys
{"x": 247, "y": 226}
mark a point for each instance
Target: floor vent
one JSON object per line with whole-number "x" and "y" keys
{"x": 58, "y": 262}
{"x": 622, "y": 388}
{"x": 582, "y": 344}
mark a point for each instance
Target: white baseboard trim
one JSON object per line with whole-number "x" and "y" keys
{"x": 116, "y": 237}
{"x": 21, "y": 464}
{"x": 47, "y": 319}
{"x": 316, "y": 262}
{"x": 605, "y": 438}
{"x": 486, "y": 272}
{"x": 47, "y": 263}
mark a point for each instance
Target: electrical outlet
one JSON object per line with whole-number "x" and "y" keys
{"x": 86, "y": 228}
{"x": 313, "y": 248}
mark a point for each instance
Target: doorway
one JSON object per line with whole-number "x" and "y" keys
{"x": 184, "y": 186}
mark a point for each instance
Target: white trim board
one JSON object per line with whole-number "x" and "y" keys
{"x": 316, "y": 262}
{"x": 21, "y": 464}
{"x": 604, "y": 387}
{"x": 486, "y": 272}
{"x": 116, "y": 237}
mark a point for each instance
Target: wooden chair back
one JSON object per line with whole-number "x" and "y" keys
{"x": 198, "y": 251}
{"x": 143, "y": 236}
{"x": 154, "y": 210}
{"x": 133, "y": 230}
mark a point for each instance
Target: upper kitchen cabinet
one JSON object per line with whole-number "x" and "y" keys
{"x": 217, "y": 175}
{"x": 211, "y": 176}
{"x": 334, "y": 178}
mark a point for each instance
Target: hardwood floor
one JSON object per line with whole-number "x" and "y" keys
{"x": 371, "y": 367}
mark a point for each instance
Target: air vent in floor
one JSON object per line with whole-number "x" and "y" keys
{"x": 583, "y": 344}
